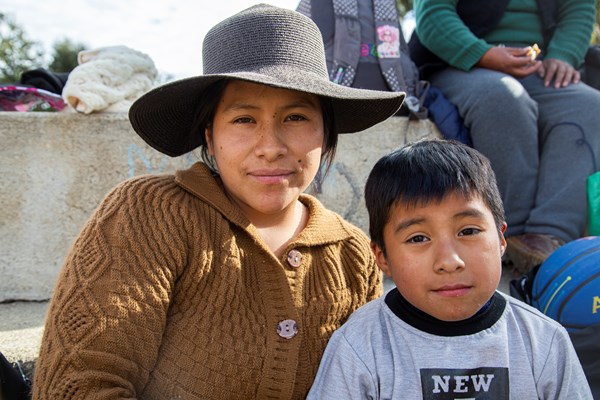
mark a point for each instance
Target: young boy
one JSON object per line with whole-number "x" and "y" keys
{"x": 436, "y": 225}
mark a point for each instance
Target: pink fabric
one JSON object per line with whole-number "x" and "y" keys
{"x": 24, "y": 98}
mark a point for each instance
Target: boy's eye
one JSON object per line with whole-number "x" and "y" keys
{"x": 296, "y": 117}
{"x": 469, "y": 231}
{"x": 417, "y": 239}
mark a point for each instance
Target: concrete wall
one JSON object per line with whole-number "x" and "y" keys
{"x": 57, "y": 167}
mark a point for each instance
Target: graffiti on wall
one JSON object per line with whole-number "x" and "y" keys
{"x": 339, "y": 179}
{"x": 140, "y": 161}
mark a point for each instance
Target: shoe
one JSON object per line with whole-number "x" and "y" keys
{"x": 529, "y": 250}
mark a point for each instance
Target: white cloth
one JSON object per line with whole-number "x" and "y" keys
{"x": 109, "y": 79}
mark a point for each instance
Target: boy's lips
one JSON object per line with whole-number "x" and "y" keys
{"x": 452, "y": 290}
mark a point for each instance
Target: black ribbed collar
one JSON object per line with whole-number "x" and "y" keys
{"x": 484, "y": 319}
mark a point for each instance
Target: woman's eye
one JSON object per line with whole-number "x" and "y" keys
{"x": 417, "y": 239}
{"x": 469, "y": 231}
{"x": 242, "y": 120}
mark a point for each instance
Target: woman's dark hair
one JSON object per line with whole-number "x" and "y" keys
{"x": 426, "y": 171}
{"x": 205, "y": 115}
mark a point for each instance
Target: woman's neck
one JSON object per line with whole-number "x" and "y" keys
{"x": 279, "y": 230}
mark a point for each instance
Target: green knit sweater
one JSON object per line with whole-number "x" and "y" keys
{"x": 441, "y": 31}
{"x": 170, "y": 293}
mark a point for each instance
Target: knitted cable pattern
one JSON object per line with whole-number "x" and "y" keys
{"x": 169, "y": 292}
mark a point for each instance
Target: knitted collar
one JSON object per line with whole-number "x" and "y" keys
{"x": 202, "y": 183}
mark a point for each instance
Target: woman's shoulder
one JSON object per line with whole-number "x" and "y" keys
{"x": 330, "y": 222}
{"x": 146, "y": 197}
{"x": 142, "y": 189}
{"x": 179, "y": 187}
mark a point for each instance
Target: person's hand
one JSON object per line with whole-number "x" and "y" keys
{"x": 562, "y": 73}
{"x": 513, "y": 61}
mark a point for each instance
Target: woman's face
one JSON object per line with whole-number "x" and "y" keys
{"x": 267, "y": 144}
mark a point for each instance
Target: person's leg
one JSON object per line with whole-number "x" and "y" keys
{"x": 502, "y": 120}
{"x": 569, "y": 124}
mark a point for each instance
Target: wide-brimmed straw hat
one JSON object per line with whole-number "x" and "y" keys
{"x": 262, "y": 44}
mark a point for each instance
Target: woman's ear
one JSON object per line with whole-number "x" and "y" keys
{"x": 208, "y": 138}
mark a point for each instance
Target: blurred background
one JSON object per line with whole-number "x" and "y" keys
{"x": 49, "y": 35}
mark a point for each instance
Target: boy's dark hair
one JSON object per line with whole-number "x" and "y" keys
{"x": 424, "y": 171}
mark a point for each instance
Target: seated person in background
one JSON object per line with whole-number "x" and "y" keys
{"x": 533, "y": 118}
{"x": 436, "y": 223}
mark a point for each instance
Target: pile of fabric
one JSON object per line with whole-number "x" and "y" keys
{"x": 109, "y": 79}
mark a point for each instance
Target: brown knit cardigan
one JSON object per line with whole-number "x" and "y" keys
{"x": 169, "y": 293}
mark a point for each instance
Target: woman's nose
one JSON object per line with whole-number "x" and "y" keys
{"x": 270, "y": 142}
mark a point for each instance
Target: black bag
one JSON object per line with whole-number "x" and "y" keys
{"x": 46, "y": 80}
{"x": 586, "y": 341}
{"x": 14, "y": 384}
{"x": 590, "y": 72}
{"x": 587, "y": 347}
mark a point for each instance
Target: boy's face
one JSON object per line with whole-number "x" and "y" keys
{"x": 445, "y": 257}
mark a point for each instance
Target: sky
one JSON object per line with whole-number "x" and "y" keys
{"x": 169, "y": 31}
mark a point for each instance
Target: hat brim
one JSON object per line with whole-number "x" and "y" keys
{"x": 163, "y": 117}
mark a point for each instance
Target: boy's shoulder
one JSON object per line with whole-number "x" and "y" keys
{"x": 528, "y": 324}
{"x": 373, "y": 315}
{"x": 523, "y": 312}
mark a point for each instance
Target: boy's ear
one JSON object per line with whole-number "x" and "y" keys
{"x": 380, "y": 259}
{"x": 502, "y": 239}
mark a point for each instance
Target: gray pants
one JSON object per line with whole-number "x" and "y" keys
{"x": 542, "y": 142}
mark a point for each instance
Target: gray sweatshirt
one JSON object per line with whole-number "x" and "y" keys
{"x": 390, "y": 350}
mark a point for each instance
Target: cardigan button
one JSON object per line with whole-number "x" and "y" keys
{"x": 294, "y": 258}
{"x": 287, "y": 328}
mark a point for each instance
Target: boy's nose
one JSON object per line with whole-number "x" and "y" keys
{"x": 447, "y": 258}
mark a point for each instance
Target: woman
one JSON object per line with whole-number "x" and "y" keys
{"x": 223, "y": 281}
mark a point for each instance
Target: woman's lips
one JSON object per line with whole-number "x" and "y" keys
{"x": 274, "y": 176}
